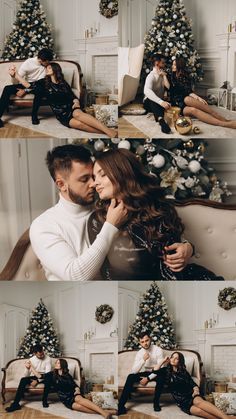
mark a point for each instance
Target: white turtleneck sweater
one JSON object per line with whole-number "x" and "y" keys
{"x": 154, "y": 87}
{"x": 60, "y": 240}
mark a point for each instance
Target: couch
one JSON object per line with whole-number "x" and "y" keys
{"x": 71, "y": 70}
{"x": 14, "y": 371}
{"x": 130, "y": 61}
{"x": 209, "y": 225}
{"x": 126, "y": 360}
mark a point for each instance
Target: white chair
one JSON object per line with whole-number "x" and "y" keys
{"x": 130, "y": 62}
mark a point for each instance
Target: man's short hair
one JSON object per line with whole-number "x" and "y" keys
{"x": 142, "y": 334}
{"x": 37, "y": 348}
{"x": 158, "y": 58}
{"x": 60, "y": 158}
{"x": 45, "y": 54}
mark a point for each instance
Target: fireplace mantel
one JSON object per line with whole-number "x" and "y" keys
{"x": 227, "y": 49}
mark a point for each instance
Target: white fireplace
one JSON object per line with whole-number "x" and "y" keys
{"x": 227, "y": 49}
{"x": 99, "y": 359}
{"x": 217, "y": 347}
{"x": 100, "y": 63}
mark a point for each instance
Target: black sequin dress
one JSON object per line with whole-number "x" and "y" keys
{"x": 133, "y": 257}
{"x": 181, "y": 385}
{"x": 64, "y": 386}
{"x": 180, "y": 88}
{"x": 60, "y": 98}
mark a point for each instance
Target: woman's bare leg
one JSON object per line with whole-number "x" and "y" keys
{"x": 190, "y": 101}
{"x": 74, "y": 123}
{"x": 209, "y": 408}
{"x": 207, "y": 118}
{"x": 79, "y": 408}
{"x": 196, "y": 411}
{"x": 85, "y": 403}
{"x": 93, "y": 123}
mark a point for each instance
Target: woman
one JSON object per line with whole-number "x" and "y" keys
{"x": 63, "y": 102}
{"x": 181, "y": 95}
{"x": 184, "y": 390}
{"x": 152, "y": 230}
{"x": 68, "y": 391}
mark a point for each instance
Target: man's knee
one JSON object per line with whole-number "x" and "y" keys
{"x": 132, "y": 377}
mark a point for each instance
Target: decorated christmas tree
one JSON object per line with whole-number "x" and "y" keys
{"x": 153, "y": 318}
{"x": 171, "y": 35}
{"x": 179, "y": 166}
{"x": 30, "y": 32}
{"x": 40, "y": 330}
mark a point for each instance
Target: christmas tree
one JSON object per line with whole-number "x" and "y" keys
{"x": 171, "y": 35}
{"x": 40, "y": 330}
{"x": 179, "y": 166}
{"x": 153, "y": 318}
{"x": 30, "y": 32}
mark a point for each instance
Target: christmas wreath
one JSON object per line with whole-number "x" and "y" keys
{"x": 227, "y": 298}
{"x": 104, "y": 313}
{"x": 108, "y": 8}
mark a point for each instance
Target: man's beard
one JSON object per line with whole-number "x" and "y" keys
{"x": 77, "y": 199}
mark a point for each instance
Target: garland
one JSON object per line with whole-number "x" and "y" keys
{"x": 108, "y": 8}
{"x": 227, "y": 298}
{"x": 104, "y": 313}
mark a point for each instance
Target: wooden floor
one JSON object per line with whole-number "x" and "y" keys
{"x": 127, "y": 130}
{"x": 25, "y": 413}
{"x": 137, "y": 415}
{"x": 14, "y": 131}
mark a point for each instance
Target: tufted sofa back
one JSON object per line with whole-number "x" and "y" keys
{"x": 211, "y": 227}
{"x": 126, "y": 360}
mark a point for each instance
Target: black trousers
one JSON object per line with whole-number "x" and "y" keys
{"x": 12, "y": 89}
{"x": 48, "y": 385}
{"x": 136, "y": 378}
{"x": 21, "y": 388}
{"x": 157, "y": 110}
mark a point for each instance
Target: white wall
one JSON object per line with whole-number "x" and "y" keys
{"x": 71, "y": 305}
{"x": 191, "y": 304}
{"x": 210, "y": 18}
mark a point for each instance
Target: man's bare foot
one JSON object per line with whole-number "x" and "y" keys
{"x": 112, "y": 133}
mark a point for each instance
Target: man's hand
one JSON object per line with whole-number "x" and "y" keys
{"x": 144, "y": 381}
{"x": 165, "y": 105}
{"x": 146, "y": 356}
{"x": 161, "y": 73}
{"x": 20, "y": 93}
{"x": 27, "y": 364}
{"x": 177, "y": 261}
{"x": 12, "y": 71}
{"x": 116, "y": 213}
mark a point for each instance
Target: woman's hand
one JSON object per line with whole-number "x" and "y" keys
{"x": 116, "y": 213}
{"x": 77, "y": 391}
{"x": 200, "y": 99}
{"x": 76, "y": 104}
{"x": 196, "y": 391}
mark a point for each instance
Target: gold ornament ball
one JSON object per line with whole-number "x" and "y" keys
{"x": 196, "y": 130}
{"x": 201, "y": 148}
{"x": 189, "y": 144}
{"x": 183, "y": 125}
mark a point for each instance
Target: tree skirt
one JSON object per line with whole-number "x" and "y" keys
{"x": 148, "y": 125}
{"x": 48, "y": 124}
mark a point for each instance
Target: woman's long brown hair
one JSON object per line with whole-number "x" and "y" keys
{"x": 140, "y": 192}
{"x": 64, "y": 367}
{"x": 180, "y": 67}
{"x": 57, "y": 72}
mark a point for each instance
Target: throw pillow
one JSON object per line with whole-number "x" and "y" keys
{"x": 104, "y": 399}
{"x": 133, "y": 109}
{"x": 107, "y": 114}
{"x": 225, "y": 402}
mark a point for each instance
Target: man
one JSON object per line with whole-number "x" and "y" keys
{"x": 32, "y": 70}
{"x": 59, "y": 236}
{"x": 154, "y": 90}
{"x": 145, "y": 359}
{"x": 35, "y": 368}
